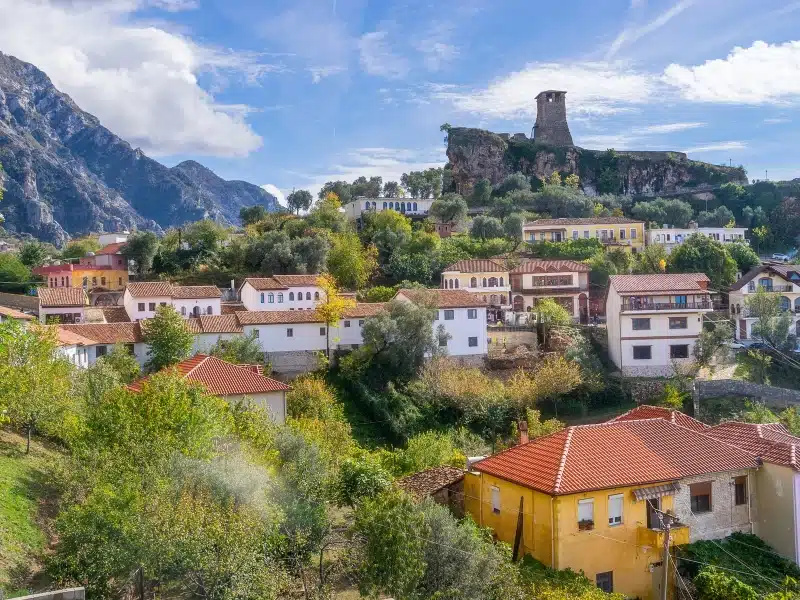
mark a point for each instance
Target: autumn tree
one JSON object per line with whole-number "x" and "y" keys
{"x": 351, "y": 264}
{"x": 169, "y": 338}
{"x": 332, "y": 307}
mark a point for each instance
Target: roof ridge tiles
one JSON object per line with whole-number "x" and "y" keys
{"x": 563, "y": 463}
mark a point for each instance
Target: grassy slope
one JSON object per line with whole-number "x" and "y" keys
{"x": 23, "y": 495}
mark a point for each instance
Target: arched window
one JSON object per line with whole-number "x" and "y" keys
{"x": 262, "y": 297}
{"x": 484, "y": 282}
{"x": 366, "y": 205}
{"x": 492, "y": 281}
{"x": 196, "y": 311}
{"x": 384, "y": 206}
{"x": 209, "y": 310}
{"x": 797, "y": 305}
{"x": 183, "y": 311}
{"x": 271, "y": 298}
{"x": 391, "y": 205}
{"x": 280, "y": 297}
{"x": 308, "y": 295}
{"x": 473, "y": 282}
{"x": 415, "y": 207}
{"x": 291, "y": 296}
{"x": 786, "y": 304}
{"x": 502, "y": 299}
{"x": 501, "y": 282}
{"x": 402, "y": 207}
{"x": 493, "y": 299}
{"x": 456, "y": 283}
{"x": 374, "y": 205}
{"x": 316, "y": 295}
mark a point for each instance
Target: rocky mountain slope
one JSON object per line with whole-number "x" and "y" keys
{"x": 64, "y": 174}
{"x": 476, "y": 154}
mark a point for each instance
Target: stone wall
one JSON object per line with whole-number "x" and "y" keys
{"x": 724, "y": 518}
{"x": 20, "y": 302}
{"x": 78, "y": 593}
{"x": 293, "y": 363}
{"x": 771, "y": 396}
{"x": 509, "y": 338}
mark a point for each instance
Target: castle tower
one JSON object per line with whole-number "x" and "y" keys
{"x": 551, "y": 119}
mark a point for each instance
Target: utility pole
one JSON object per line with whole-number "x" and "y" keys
{"x": 666, "y": 522}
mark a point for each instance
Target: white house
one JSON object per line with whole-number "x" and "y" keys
{"x": 232, "y": 382}
{"x": 653, "y": 321}
{"x": 281, "y": 292}
{"x": 407, "y": 206}
{"x": 62, "y": 305}
{"x": 210, "y": 329}
{"x": 778, "y": 279}
{"x": 672, "y": 237}
{"x": 141, "y": 299}
{"x": 12, "y": 314}
{"x": 100, "y": 338}
{"x": 74, "y": 347}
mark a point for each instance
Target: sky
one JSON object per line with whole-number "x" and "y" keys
{"x": 290, "y": 94}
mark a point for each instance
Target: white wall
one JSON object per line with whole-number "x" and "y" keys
{"x": 251, "y": 298}
{"x": 77, "y": 355}
{"x": 274, "y": 402}
{"x": 273, "y": 338}
{"x": 461, "y": 329}
{"x": 203, "y": 303}
{"x": 131, "y": 305}
{"x": 204, "y": 341}
{"x": 140, "y": 351}
{"x": 70, "y": 310}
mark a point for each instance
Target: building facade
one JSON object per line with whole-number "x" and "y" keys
{"x": 62, "y": 305}
{"x": 672, "y": 237}
{"x": 775, "y": 279}
{"x": 412, "y": 207}
{"x": 564, "y": 281}
{"x": 653, "y": 321}
{"x": 281, "y": 292}
{"x": 613, "y": 232}
{"x": 142, "y": 299}
{"x": 486, "y": 278}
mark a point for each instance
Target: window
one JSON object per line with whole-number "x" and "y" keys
{"x": 141, "y": 306}
{"x": 501, "y": 282}
{"x": 495, "y": 500}
{"x": 316, "y": 296}
{"x": 183, "y": 311}
{"x": 456, "y": 283}
{"x": 642, "y": 352}
{"x": 605, "y": 581}
{"x": 473, "y": 282}
{"x": 322, "y": 331}
{"x": 291, "y": 296}
{"x": 615, "y": 510}
{"x": 473, "y": 342}
{"x": 120, "y": 281}
{"x": 640, "y": 324}
{"x": 162, "y": 303}
{"x": 586, "y": 234}
{"x": 436, "y": 315}
{"x": 484, "y": 282}
{"x": 680, "y": 299}
{"x": 384, "y": 206}
{"x": 633, "y": 233}
{"x": 442, "y": 341}
{"x": 679, "y": 351}
{"x": 740, "y": 490}
{"x": 209, "y": 310}
{"x": 574, "y": 234}
{"x": 280, "y": 297}
{"x": 151, "y": 306}
{"x": 289, "y": 332}
{"x": 271, "y": 298}
{"x": 100, "y": 351}
{"x": 586, "y": 514}
{"x": 347, "y": 323}
{"x": 678, "y": 322}
{"x": 257, "y": 332}
{"x": 472, "y": 313}
{"x": 361, "y": 323}
{"x": 102, "y": 281}
{"x": 262, "y": 297}
{"x": 94, "y": 280}
{"x": 700, "y": 494}
{"x": 449, "y": 315}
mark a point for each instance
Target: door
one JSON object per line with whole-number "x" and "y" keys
{"x": 653, "y": 505}
{"x": 742, "y": 329}
{"x": 518, "y": 304}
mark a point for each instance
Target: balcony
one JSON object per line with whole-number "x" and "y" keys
{"x": 770, "y": 288}
{"x": 653, "y": 306}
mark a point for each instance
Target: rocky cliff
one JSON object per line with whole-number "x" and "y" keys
{"x": 476, "y": 154}
{"x": 65, "y": 174}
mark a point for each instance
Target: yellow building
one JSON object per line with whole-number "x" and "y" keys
{"x": 589, "y": 496}
{"x": 613, "y": 232}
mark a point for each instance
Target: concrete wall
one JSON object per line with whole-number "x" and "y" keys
{"x": 78, "y": 593}
{"x": 203, "y": 304}
{"x": 724, "y": 518}
{"x": 275, "y": 338}
{"x": 775, "y": 520}
{"x": 293, "y": 363}
{"x": 274, "y": 402}
{"x": 772, "y": 396}
{"x": 75, "y": 311}
{"x": 131, "y": 305}
{"x": 204, "y": 341}
{"x": 509, "y": 338}
{"x": 461, "y": 328}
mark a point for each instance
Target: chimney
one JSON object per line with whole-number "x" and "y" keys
{"x": 523, "y": 432}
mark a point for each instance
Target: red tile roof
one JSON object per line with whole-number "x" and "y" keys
{"x": 220, "y": 324}
{"x": 443, "y": 298}
{"x": 192, "y": 324}
{"x": 771, "y": 442}
{"x": 790, "y": 273}
{"x": 150, "y": 289}
{"x": 276, "y": 317}
{"x": 430, "y": 481}
{"x": 296, "y": 280}
{"x": 222, "y": 378}
{"x": 550, "y": 266}
{"x": 264, "y": 283}
{"x": 660, "y": 282}
{"x": 115, "y": 314}
{"x": 645, "y": 411}
{"x": 477, "y": 266}
{"x": 187, "y": 292}
{"x": 231, "y": 308}
{"x": 584, "y": 221}
{"x": 111, "y": 248}
{"x": 364, "y": 309}
{"x": 63, "y": 296}
{"x": 618, "y": 454}
{"x": 12, "y": 313}
{"x": 111, "y": 333}
{"x": 69, "y": 338}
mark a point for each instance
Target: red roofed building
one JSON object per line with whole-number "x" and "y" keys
{"x": 281, "y": 292}
{"x": 590, "y": 496}
{"x": 232, "y": 382}
{"x": 676, "y": 417}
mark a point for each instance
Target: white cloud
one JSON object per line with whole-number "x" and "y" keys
{"x": 605, "y": 141}
{"x": 436, "y": 45}
{"x": 634, "y": 33}
{"x": 275, "y": 191}
{"x": 141, "y": 81}
{"x": 667, "y": 128}
{"x": 761, "y": 74}
{"x": 377, "y": 57}
{"x": 776, "y": 121}
{"x": 319, "y": 73}
{"x": 173, "y": 5}
{"x": 593, "y": 88}
{"x": 716, "y": 147}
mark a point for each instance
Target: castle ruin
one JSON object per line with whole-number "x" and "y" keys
{"x": 551, "y": 119}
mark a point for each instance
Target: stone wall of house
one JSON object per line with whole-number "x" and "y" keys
{"x": 724, "y": 518}
{"x": 508, "y": 338}
{"x": 771, "y": 396}
{"x": 648, "y": 371}
{"x": 293, "y": 363}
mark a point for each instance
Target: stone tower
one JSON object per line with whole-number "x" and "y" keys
{"x": 551, "y": 119}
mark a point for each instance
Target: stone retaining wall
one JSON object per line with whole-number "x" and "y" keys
{"x": 771, "y": 396}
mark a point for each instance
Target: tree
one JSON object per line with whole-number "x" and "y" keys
{"x": 674, "y": 212}
{"x": 351, "y": 264}
{"x": 205, "y": 236}
{"x": 252, "y": 214}
{"x": 572, "y": 181}
{"x": 15, "y": 277}
{"x": 760, "y": 234}
{"x": 332, "y": 308}
{"x": 653, "y": 259}
{"x": 141, "y": 248}
{"x": 711, "y": 343}
{"x": 715, "y": 584}
{"x": 512, "y": 225}
{"x": 360, "y": 478}
{"x": 513, "y": 182}
{"x": 754, "y": 366}
{"x": 746, "y": 259}
{"x": 561, "y": 202}
{"x": 379, "y": 293}
{"x": 388, "y": 230}
{"x": 299, "y": 200}
{"x": 773, "y": 321}
{"x": 340, "y": 188}
{"x": 450, "y": 208}
{"x": 484, "y": 228}
{"x": 552, "y": 313}
{"x": 122, "y": 362}
{"x": 391, "y": 189}
{"x": 169, "y": 338}
{"x": 239, "y": 350}
{"x": 482, "y": 192}
{"x": 701, "y": 254}
{"x": 33, "y": 254}
{"x": 362, "y": 187}
{"x": 718, "y": 218}
{"x": 555, "y": 377}
{"x": 34, "y": 377}
{"x": 80, "y": 248}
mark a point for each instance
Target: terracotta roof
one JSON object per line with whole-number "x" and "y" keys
{"x": 150, "y": 289}
{"x": 63, "y": 296}
{"x": 12, "y": 313}
{"x": 618, "y": 454}
{"x": 264, "y": 283}
{"x": 222, "y": 378}
{"x": 231, "y": 308}
{"x": 110, "y": 333}
{"x": 660, "y": 282}
{"x": 550, "y": 266}
{"x": 364, "y": 309}
{"x": 115, "y": 314}
{"x": 220, "y": 324}
{"x": 430, "y": 481}
{"x": 111, "y": 248}
{"x": 192, "y": 324}
{"x": 195, "y": 291}
{"x": 68, "y": 338}
{"x": 276, "y": 317}
{"x": 477, "y": 266}
{"x": 584, "y": 221}
{"x": 645, "y": 411}
{"x": 771, "y": 442}
{"x": 791, "y": 273}
{"x": 296, "y": 280}
{"x": 444, "y": 298}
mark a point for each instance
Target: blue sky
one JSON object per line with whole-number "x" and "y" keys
{"x": 294, "y": 93}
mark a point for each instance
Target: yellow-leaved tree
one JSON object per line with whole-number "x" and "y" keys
{"x": 332, "y": 307}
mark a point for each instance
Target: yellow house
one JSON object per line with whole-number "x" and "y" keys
{"x": 588, "y": 497}
{"x": 613, "y": 232}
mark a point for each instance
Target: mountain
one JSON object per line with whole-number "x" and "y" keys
{"x": 64, "y": 174}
